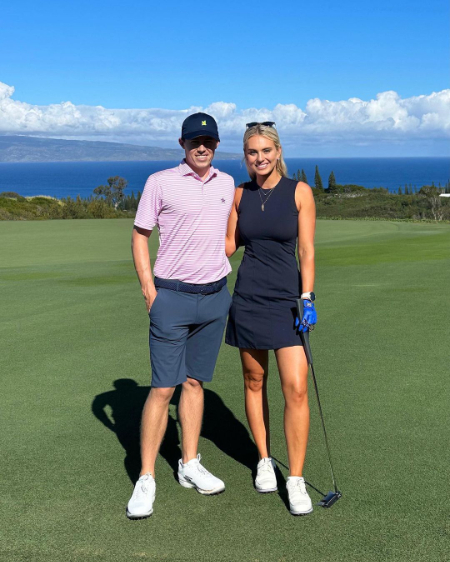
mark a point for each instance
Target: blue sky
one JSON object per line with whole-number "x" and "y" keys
{"x": 176, "y": 56}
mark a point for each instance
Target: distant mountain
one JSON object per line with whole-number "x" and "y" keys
{"x": 36, "y": 149}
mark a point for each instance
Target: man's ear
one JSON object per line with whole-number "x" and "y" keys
{"x": 181, "y": 142}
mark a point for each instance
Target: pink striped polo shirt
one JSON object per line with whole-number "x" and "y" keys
{"x": 191, "y": 216}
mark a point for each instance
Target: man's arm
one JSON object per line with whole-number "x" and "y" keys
{"x": 141, "y": 258}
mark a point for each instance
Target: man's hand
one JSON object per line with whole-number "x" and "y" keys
{"x": 149, "y": 297}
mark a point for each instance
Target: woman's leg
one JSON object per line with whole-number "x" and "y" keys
{"x": 255, "y": 369}
{"x": 293, "y": 369}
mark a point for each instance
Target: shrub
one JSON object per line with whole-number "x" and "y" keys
{"x": 99, "y": 209}
{"x": 12, "y": 195}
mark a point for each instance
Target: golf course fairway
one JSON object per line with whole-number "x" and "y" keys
{"x": 75, "y": 375}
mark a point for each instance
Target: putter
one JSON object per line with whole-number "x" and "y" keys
{"x": 332, "y": 497}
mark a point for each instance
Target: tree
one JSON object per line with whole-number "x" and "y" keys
{"x": 318, "y": 180}
{"x": 400, "y": 190}
{"x": 332, "y": 182}
{"x": 303, "y": 177}
{"x": 113, "y": 192}
{"x": 431, "y": 193}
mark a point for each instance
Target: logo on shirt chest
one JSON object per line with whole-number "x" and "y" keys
{"x": 223, "y": 200}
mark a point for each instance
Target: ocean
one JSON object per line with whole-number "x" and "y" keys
{"x": 63, "y": 179}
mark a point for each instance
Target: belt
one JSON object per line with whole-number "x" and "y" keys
{"x": 205, "y": 289}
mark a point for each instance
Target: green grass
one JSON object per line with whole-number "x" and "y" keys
{"x": 73, "y": 322}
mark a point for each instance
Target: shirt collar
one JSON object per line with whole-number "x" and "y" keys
{"x": 186, "y": 170}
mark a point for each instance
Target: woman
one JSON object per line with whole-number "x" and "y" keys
{"x": 270, "y": 214}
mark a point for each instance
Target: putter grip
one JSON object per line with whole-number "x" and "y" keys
{"x": 304, "y": 335}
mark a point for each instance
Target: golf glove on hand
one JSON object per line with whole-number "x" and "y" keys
{"x": 309, "y": 317}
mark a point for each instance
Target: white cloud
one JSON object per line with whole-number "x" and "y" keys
{"x": 387, "y": 118}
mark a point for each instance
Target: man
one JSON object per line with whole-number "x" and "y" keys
{"x": 188, "y": 300}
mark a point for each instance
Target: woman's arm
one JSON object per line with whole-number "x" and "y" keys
{"x": 306, "y": 228}
{"x": 232, "y": 237}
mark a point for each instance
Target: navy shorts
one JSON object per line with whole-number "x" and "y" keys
{"x": 186, "y": 333}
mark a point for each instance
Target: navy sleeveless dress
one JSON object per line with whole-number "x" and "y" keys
{"x": 263, "y": 311}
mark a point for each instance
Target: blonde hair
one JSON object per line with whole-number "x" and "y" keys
{"x": 272, "y": 134}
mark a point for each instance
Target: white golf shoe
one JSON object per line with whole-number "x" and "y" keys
{"x": 299, "y": 500}
{"x": 194, "y": 475}
{"x": 266, "y": 480}
{"x": 140, "y": 505}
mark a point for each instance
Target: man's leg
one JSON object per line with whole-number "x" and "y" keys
{"x": 191, "y": 474}
{"x": 170, "y": 317}
{"x": 203, "y": 344}
{"x": 190, "y": 411}
{"x": 153, "y": 426}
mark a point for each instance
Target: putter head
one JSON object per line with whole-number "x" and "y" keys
{"x": 330, "y": 499}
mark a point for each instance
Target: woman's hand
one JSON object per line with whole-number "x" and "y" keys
{"x": 309, "y": 318}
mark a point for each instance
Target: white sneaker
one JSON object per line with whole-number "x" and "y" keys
{"x": 299, "y": 500}
{"x": 194, "y": 475}
{"x": 266, "y": 480}
{"x": 140, "y": 505}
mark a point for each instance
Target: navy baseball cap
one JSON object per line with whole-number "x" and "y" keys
{"x": 198, "y": 125}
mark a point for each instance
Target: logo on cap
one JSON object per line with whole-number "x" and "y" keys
{"x": 203, "y": 122}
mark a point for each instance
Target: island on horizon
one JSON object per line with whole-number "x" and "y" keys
{"x": 16, "y": 148}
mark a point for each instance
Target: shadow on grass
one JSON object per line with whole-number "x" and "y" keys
{"x": 126, "y": 403}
